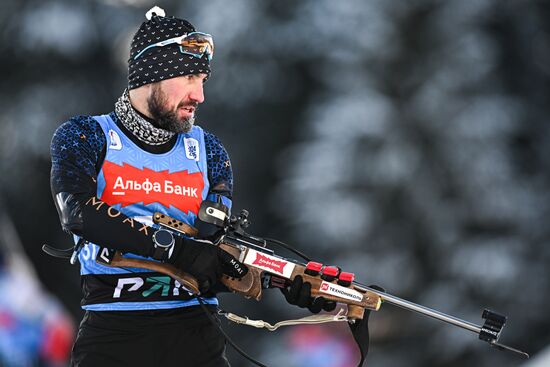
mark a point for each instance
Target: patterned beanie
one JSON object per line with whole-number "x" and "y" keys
{"x": 165, "y": 62}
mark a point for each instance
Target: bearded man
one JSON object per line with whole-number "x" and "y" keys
{"x": 111, "y": 172}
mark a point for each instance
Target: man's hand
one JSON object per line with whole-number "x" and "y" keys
{"x": 299, "y": 294}
{"x": 205, "y": 262}
{"x": 208, "y": 231}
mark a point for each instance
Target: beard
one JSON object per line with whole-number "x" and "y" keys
{"x": 165, "y": 118}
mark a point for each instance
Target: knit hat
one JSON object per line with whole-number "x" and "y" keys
{"x": 165, "y": 62}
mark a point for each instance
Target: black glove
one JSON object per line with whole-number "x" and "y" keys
{"x": 205, "y": 262}
{"x": 299, "y": 294}
{"x": 208, "y": 231}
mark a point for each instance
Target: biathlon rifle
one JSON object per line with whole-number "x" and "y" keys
{"x": 268, "y": 270}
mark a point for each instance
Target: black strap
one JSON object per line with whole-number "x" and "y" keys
{"x": 360, "y": 331}
{"x": 57, "y": 252}
{"x": 66, "y": 253}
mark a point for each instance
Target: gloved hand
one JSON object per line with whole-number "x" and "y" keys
{"x": 299, "y": 294}
{"x": 208, "y": 231}
{"x": 205, "y": 262}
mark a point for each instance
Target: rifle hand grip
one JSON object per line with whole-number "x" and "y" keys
{"x": 186, "y": 280}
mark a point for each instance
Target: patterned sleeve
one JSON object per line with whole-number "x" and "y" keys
{"x": 220, "y": 173}
{"x": 76, "y": 150}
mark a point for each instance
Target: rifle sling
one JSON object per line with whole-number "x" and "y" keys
{"x": 308, "y": 320}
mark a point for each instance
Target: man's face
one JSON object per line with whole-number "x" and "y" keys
{"x": 172, "y": 103}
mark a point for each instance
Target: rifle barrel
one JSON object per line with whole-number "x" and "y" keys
{"x": 386, "y": 297}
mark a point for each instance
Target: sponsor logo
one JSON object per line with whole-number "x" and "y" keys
{"x": 339, "y": 291}
{"x": 238, "y": 267}
{"x": 277, "y": 266}
{"x": 191, "y": 148}
{"x": 127, "y": 185}
{"x": 161, "y": 284}
{"x": 269, "y": 263}
{"x": 116, "y": 143}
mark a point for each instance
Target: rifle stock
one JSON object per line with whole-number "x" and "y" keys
{"x": 115, "y": 259}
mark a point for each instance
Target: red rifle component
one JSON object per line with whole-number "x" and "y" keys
{"x": 346, "y": 278}
{"x": 330, "y": 273}
{"x": 313, "y": 268}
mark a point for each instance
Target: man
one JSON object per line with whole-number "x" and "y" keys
{"x": 110, "y": 173}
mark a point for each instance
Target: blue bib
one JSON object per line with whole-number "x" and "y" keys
{"x": 138, "y": 184}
